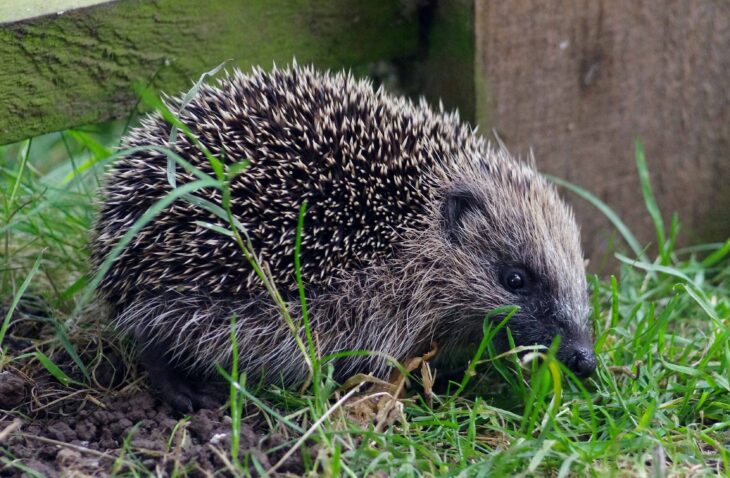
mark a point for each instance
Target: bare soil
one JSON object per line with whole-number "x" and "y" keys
{"x": 115, "y": 425}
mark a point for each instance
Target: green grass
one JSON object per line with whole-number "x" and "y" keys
{"x": 658, "y": 405}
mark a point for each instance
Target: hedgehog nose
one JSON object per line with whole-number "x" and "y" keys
{"x": 582, "y": 362}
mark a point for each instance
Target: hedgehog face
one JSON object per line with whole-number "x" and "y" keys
{"x": 514, "y": 241}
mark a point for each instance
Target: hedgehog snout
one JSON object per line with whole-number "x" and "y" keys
{"x": 579, "y": 358}
{"x": 576, "y": 346}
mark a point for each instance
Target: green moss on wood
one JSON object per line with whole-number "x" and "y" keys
{"x": 449, "y": 65}
{"x": 79, "y": 68}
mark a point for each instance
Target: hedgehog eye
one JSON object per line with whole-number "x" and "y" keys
{"x": 514, "y": 279}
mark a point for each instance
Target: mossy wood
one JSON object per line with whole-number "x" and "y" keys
{"x": 447, "y": 66}
{"x": 60, "y": 71}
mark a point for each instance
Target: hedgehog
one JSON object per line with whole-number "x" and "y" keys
{"x": 416, "y": 227}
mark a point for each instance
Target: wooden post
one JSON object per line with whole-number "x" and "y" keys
{"x": 579, "y": 81}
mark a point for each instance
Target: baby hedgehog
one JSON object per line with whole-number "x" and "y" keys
{"x": 416, "y": 228}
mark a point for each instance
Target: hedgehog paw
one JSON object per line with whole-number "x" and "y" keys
{"x": 183, "y": 392}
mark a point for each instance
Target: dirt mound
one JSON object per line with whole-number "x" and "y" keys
{"x": 124, "y": 433}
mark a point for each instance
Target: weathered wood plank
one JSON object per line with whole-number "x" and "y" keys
{"x": 15, "y": 10}
{"x": 579, "y": 81}
{"x": 78, "y": 68}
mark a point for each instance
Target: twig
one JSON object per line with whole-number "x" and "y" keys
{"x": 69, "y": 445}
{"x": 312, "y": 429}
{"x": 224, "y": 458}
{"x": 14, "y": 425}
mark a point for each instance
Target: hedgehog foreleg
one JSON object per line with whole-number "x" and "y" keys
{"x": 181, "y": 339}
{"x": 183, "y": 390}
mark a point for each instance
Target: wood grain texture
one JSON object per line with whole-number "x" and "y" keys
{"x": 579, "y": 80}
{"x": 79, "y": 68}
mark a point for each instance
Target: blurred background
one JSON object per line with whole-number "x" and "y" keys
{"x": 576, "y": 82}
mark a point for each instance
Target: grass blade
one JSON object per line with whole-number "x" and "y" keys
{"x": 17, "y": 297}
{"x": 622, "y": 228}
{"x": 650, "y": 201}
{"x": 53, "y": 369}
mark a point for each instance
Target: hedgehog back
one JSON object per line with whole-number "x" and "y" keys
{"x": 366, "y": 162}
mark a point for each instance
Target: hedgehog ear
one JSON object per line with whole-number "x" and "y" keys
{"x": 458, "y": 201}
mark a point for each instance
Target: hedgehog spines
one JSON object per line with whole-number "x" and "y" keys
{"x": 379, "y": 260}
